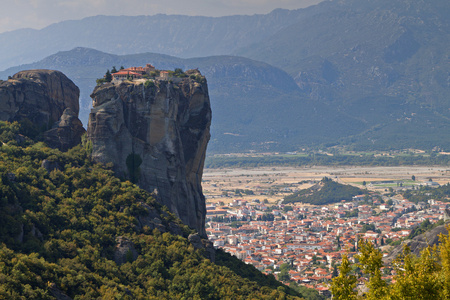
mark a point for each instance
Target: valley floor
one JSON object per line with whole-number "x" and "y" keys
{"x": 247, "y": 219}
{"x": 273, "y": 183}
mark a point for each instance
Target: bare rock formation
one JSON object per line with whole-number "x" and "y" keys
{"x": 56, "y": 292}
{"x": 47, "y": 101}
{"x": 418, "y": 243}
{"x": 50, "y": 165}
{"x": 155, "y": 133}
{"x": 125, "y": 251}
{"x": 206, "y": 245}
{"x": 66, "y": 133}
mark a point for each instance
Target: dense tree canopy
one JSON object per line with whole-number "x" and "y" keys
{"x": 59, "y": 224}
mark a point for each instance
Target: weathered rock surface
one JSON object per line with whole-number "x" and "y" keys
{"x": 57, "y": 293}
{"x": 206, "y": 245}
{"x": 48, "y": 100}
{"x": 66, "y": 133}
{"x": 156, "y": 135}
{"x": 38, "y": 95}
{"x": 125, "y": 251}
{"x": 418, "y": 243}
{"x": 50, "y": 165}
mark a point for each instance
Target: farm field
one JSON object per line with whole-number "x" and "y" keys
{"x": 273, "y": 183}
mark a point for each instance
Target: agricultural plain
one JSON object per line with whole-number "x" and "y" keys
{"x": 273, "y": 183}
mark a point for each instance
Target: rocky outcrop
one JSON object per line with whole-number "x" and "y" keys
{"x": 45, "y": 100}
{"x": 66, "y": 133}
{"x": 155, "y": 133}
{"x": 50, "y": 165}
{"x": 151, "y": 219}
{"x": 418, "y": 243}
{"x": 56, "y": 292}
{"x": 124, "y": 251}
{"x": 203, "y": 244}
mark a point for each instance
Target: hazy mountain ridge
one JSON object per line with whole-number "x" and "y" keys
{"x": 356, "y": 49}
{"x": 386, "y": 63}
{"x": 170, "y": 34}
{"x": 368, "y": 74}
{"x": 243, "y": 96}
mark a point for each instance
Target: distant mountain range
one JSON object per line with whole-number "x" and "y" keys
{"x": 255, "y": 105}
{"x": 181, "y": 36}
{"x": 385, "y": 62}
{"x": 356, "y": 73}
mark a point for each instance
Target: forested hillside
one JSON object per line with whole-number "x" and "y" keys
{"x": 69, "y": 228}
{"x": 325, "y": 192}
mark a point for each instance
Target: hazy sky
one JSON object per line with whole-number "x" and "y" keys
{"x": 37, "y": 14}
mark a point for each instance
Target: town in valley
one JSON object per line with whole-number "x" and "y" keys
{"x": 304, "y": 243}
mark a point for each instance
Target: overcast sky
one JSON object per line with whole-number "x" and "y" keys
{"x": 37, "y": 14}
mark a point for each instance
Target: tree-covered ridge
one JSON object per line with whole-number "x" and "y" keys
{"x": 60, "y": 222}
{"x": 328, "y": 191}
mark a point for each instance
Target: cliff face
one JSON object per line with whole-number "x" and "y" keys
{"x": 156, "y": 134}
{"x": 418, "y": 243}
{"x": 48, "y": 101}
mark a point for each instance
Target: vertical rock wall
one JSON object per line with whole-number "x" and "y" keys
{"x": 47, "y": 102}
{"x": 155, "y": 133}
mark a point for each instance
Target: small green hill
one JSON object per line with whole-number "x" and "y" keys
{"x": 69, "y": 228}
{"x": 326, "y": 192}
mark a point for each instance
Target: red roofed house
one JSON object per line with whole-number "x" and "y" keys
{"x": 124, "y": 74}
{"x": 164, "y": 75}
{"x": 132, "y": 73}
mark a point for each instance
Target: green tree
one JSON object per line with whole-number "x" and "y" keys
{"x": 284, "y": 272}
{"x": 416, "y": 277}
{"x": 343, "y": 286}
{"x": 444, "y": 255}
{"x": 424, "y": 277}
{"x": 108, "y": 76}
{"x": 335, "y": 272}
{"x": 370, "y": 262}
